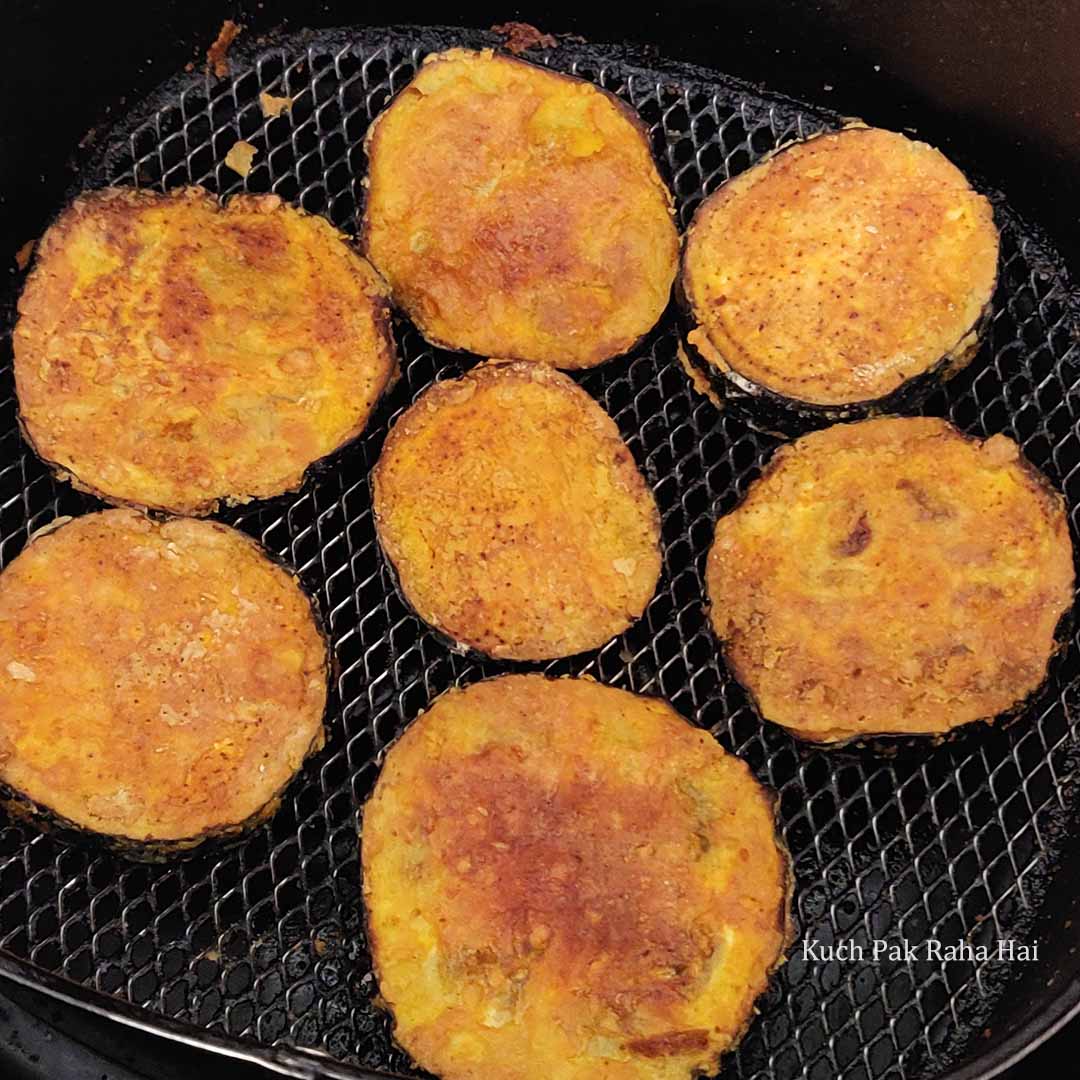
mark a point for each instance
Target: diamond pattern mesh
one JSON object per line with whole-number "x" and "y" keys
{"x": 264, "y": 940}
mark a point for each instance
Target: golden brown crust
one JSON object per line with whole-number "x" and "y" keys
{"x": 518, "y": 213}
{"x": 515, "y": 515}
{"x": 891, "y": 577}
{"x": 563, "y": 879}
{"x": 158, "y": 681}
{"x": 172, "y": 353}
{"x": 841, "y": 268}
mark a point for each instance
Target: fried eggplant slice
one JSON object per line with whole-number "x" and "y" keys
{"x": 891, "y": 577}
{"x": 567, "y": 880}
{"x": 517, "y": 212}
{"x": 160, "y": 682}
{"x": 175, "y": 353}
{"x": 844, "y": 275}
{"x": 515, "y": 516}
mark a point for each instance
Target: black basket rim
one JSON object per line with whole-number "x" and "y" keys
{"x": 289, "y": 1061}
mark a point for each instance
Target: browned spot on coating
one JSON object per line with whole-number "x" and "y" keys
{"x": 857, "y": 540}
{"x": 330, "y": 321}
{"x": 930, "y": 509}
{"x": 259, "y": 241}
{"x": 670, "y": 1044}
{"x": 523, "y": 245}
{"x": 570, "y": 856}
{"x": 184, "y": 308}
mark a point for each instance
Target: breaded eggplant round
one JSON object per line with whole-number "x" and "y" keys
{"x": 175, "y": 353}
{"x": 891, "y": 577}
{"x": 842, "y": 275}
{"x": 567, "y": 880}
{"x": 160, "y": 682}
{"x": 517, "y": 212}
{"x": 515, "y": 516}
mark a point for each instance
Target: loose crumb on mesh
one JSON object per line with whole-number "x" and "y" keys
{"x": 240, "y": 157}
{"x": 273, "y": 106}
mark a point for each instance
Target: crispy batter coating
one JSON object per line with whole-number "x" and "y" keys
{"x": 158, "y": 681}
{"x": 517, "y": 212}
{"x": 698, "y": 380}
{"x": 172, "y": 353}
{"x": 515, "y": 515}
{"x": 840, "y": 268}
{"x": 567, "y": 881}
{"x": 892, "y": 576}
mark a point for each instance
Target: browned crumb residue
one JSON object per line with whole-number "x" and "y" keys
{"x": 521, "y": 36}
{"x": 22, "y": 256}
{"x": 217, "y": 56}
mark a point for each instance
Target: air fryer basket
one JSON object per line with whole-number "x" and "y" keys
{"x": 263, "y": 941}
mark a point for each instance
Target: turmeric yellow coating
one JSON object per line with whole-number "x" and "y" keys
{"x": 565, "y": 881}
{"x": 172, "y": 353}
{"x": 891, "y": 576}
{"x": 158, "y": 681}
{"x": 515, "y": 515}
{"x": 840, "y": 268}
{"x": 517, "y": 212}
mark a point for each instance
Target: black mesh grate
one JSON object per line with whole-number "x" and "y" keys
{"x": 265, "y": 940}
